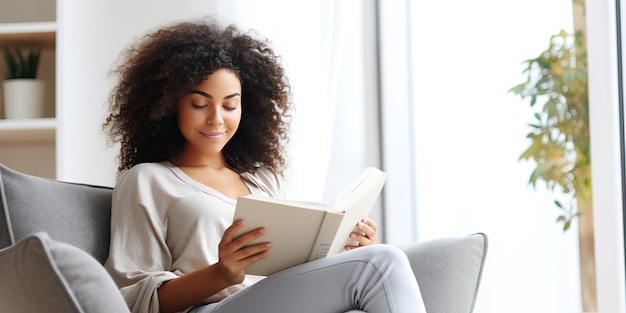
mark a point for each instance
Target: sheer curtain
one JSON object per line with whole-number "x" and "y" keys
{"x": 322, "y": 48}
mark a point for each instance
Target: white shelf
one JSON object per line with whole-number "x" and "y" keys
{"x": 22, "y": 131}
{"x": 29, "y": 145}
{"x": 14, "y": 131}
{"x": 40, "y": 33}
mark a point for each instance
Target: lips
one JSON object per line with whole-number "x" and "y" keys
{"x": 212, "y": 135}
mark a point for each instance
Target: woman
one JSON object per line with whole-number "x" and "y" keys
{"x": 202, "y": 115}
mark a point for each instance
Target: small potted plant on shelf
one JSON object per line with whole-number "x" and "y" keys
{"x": 23, "y": 92}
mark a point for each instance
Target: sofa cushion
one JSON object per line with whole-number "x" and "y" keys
{"x": 448, "y": 271}
{"x": 38, "y": 274}
{"x": 73, "y": 213}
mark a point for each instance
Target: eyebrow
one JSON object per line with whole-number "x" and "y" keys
{"x": 206, "y": 95}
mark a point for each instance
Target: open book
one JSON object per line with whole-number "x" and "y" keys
{"x": 303, "y": 231}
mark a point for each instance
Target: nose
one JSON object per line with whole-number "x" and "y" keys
{"x": 215, "y": 118}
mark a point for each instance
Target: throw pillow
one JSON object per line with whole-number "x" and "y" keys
{"x": 38, "y": 274}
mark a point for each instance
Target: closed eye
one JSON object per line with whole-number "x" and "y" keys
{"x": 198, "y": 106}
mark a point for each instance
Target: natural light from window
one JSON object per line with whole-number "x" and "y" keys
{"x": 469, "y": 135}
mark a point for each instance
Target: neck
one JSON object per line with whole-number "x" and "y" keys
{"x": 217, "y": 163}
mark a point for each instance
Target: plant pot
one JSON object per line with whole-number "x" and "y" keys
{"x": 23, "y": 98}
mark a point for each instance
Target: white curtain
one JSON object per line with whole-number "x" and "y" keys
{"x": 321, "y": 44}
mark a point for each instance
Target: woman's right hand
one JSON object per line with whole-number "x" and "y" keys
{"x": 235, "y": 255}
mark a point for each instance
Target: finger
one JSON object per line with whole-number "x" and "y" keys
{"x": 229, "y": 244}
{"x": 234, "y": 265}
{"x": 370, "y": 223}
{"x": 348, "y": 248}
{"x": 243, "y": 258}
{"x": 361, "y": 239}
{"x": 367, "y": 230}
{"x": 256, "y": 252}
{"x": 236, "y": 251}
{"x": 249, "y": 252}
{"x": 243, "y": 240}
{"x": 231, "y": 230}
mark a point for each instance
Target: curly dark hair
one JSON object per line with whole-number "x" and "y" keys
{"x": 161, "y": 68}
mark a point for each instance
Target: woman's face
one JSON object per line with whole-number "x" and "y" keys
{"x": 209, "y": 115}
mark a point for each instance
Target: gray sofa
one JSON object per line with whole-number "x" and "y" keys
{"x": 54, "y": 237}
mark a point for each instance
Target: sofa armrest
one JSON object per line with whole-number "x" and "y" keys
{"x": 448, "y": 271}
{"x": 38, "y": 274}
{"x": 73, "y": 213}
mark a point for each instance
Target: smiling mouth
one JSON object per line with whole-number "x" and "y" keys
{"x": 212, "y": 135}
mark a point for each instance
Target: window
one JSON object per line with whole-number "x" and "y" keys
{"x": 606, "y": 97}
{"x": 469, "y": 133}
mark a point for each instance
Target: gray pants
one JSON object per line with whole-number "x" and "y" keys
{"x": 375, "y": 278}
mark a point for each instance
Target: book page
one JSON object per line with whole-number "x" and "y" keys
{"x": 359, "y": 203}
{"x": 358, "y": 187}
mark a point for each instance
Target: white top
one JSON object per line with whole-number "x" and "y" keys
{"x": 165, "y": 224}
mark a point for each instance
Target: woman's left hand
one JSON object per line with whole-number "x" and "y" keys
{"x": 367, "y": 234}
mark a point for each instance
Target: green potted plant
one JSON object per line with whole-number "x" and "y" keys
{"x": 556, "y": 81}
{"x": 559, "y": 136}
{"x": 23, "y": 92}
